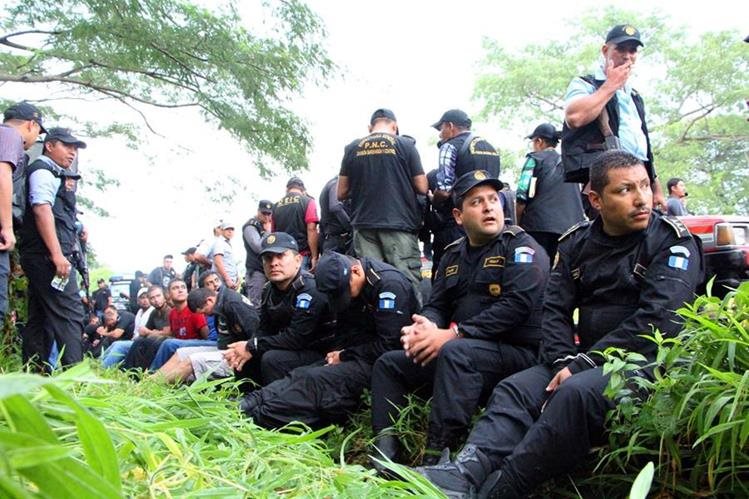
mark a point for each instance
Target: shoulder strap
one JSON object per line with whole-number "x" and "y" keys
{"x": 467, "y": 143}
{"x": 678, "y": 226}
{"x": 573, "y": 229}
{"x": 454, "y": 243}
{"x": 513, "y": 230}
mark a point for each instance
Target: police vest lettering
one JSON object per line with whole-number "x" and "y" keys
{"x": 376, "y": 144}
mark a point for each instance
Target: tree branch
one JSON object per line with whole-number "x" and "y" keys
{"x": 5, "y": 40}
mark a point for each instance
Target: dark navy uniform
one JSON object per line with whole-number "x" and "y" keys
{"x": 335, "y": 220}
{"x": 295, "y": 325}
{"x": 235, "y": 317}
{"x": 289, "y": 216}
{"x": 624, "y": 287}
{"x": 494, "y": 295}
{"x": 320, "y": 394}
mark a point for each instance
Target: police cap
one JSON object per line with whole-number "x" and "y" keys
{"x": 381, "y": 114}
{"x": 25, "y": 111}
{"x": 265, "y": 206}
{"x": 295, "y": 181}
{"x": 454, "y": 116}
{"x": 473, "y": 179}
{"x": 332, "y": 276}
{"x": 545, "y": 131}
{"x": 623, "y": 33}
{"x": 65, "y": 136}
{"x": 278, "y": 242}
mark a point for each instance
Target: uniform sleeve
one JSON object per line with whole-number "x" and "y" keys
{"x": 523, "y": 282}
{"x": 524, "y": 183}
{"x": 560, "y": 300}
{"x": 245, "y": 317}
{"x": 414, "y": 162}
{"x": 345, "y": 162}
{"x": 576, "y": 89}
{"x": 43, "y": 186}
{"x": 438, "y": 308}
{"x": 671, "y": 279}
{"x": 252, "y": 237}
{"x": 309, "y": 308}
{"x": 392, "y": 312}
{"x": 446, "y": 169}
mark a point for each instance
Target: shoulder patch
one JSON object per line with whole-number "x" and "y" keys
{"x": 454, "y": 243}
{"x": 513, "y": 230}
{"x": 386, "y": 301}
{"x": 303, "y": 301}
{"x": 451, "y": 270}
{"x": 678, "y": 226}
{"x": 679, "y": 258}
{"x": 524, "y": 254}
{"x": 573, "y": 229}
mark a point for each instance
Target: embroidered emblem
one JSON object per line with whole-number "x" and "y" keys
{"x": 495, "y": 289}
{"x": 494, "y": 261}
{"x": 387, "y": 301}
{"x": 303, "y": 301}
{"x": 524, "y": 254}
{"x": 451, "y": 270}
{"x": 679, "y": 258}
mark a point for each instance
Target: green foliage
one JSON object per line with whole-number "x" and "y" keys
{"x": 694, "y": 95}
{"x": 175, "y": 54}
{"x": 695, "y": 421}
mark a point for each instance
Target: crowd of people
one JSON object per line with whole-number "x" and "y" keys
{"x": 329, "y": 306}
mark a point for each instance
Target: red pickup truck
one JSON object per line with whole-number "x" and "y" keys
{"x": 725, "y": 243}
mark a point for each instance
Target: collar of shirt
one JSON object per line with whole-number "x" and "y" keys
{"x": 58, "y": 169}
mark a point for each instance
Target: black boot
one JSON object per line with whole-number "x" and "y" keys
{"x": 386, "y": 447}
{"x": 461, "y": 477}
{"x": 496, "y": 487}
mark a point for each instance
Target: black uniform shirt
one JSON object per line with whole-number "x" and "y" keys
{"x": 493, "y": 292}
{"x": 372, "y": 324}
{"x": 236, "y": 318}
{"x": 380, "y": 168}
{"x": 624, "y": 287}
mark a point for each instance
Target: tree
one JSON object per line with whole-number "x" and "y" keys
{"x": 174, "y": 54}
{"x": 694, "y": 91}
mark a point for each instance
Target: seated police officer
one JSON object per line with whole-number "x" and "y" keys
{"x": 482, "y": 322}
{"x": 295, "y": 318}
{"x": 374, "y": 301}
{"x": 627, "y": 272}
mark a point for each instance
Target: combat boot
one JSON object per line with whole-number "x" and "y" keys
{"x": 460, "y": 478}
{"x": 386, "y": 447}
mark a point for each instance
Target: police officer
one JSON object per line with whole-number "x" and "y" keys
{"x": 296, "y": 214}
{"x": 335, "y": 220}
{"x": 374, "y": 301}
{"x": 482, "y": 322}
{"x": 546, "y": 205}
{"x": 253, "y": 231}
{"x": 626, "y": 272}
{"x": 295, "y": 318}
{"x": 49, "y": 242}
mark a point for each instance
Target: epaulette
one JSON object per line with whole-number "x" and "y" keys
{"x": 573, "y": 229}
{"x": 678, "y": 226}
{"x": 514, "y": 230}
{"x": 298, "y": 282}
{"x": 372, "y": 276}
{"x": 454, "y": 243}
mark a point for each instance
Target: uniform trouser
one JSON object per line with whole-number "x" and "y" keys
{"x": 441, "y": 239}
{"x": 53, "y": 315}
{"x": 531, "y": 446}
{"x": 274, "y": 365}
{"x": 396, "y": 247}
{"x": 315, "y": 395}
{"x": 458, "y": 380}
{"x": 254, "y": 282}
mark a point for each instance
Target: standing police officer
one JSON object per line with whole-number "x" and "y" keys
{"x": 49, "y": 241}
{"x": 253, "y": 231}
{"x": 296, "y": 214}
{"x": 482, "y": 322}
{"x": 627, "y": 272}
{"x": 546, "y": 205}
{"x": 335, "y": 220}
{"x": 374, "y": 301}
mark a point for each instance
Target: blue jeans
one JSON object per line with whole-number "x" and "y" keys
{"x": 168, "y": 347}
{"x": 115, "y": 353}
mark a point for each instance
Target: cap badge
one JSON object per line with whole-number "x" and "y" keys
{"x": 630, "y": 30}
{"x": 495, "y": 289}
{"x": 271, "y": 239}
{"x": 479, "y": 175}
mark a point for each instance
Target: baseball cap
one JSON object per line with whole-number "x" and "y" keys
{"x": 190, "y": 250}
{"x": 295, "y": 181}
{"x": 278, "y": 242}
{"x": 623, "y": 33}
{"x": 226, "y": 225}
{"x": 265, "y": 206}
{"x": 65, "y": 136}
{"x": 455, "y": 116}
{"x": 382, "y": 113}
{"x": 472, "y": 179}
{"x": 546, "y": 131}
{"x": 332, "y": 277}
{"x": 141, "y": 292}
{"x": 25, "y": 111}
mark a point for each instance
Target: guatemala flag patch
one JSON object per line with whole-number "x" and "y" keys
{"x": 524, "y": 254}
{"x": 679, "y": 258}
{"x": 387, "y": 301}
{"x": 303, "y": 301}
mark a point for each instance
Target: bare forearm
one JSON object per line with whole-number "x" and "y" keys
{"x": 312, "y": 238}
{"x": 584, "y": 110}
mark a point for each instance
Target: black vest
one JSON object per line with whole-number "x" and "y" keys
{"x": 252, "y": 262}
{"x": 581, "y": 146}
{"x": 474, "y": 153}
{"x": 64, "y": 213}
{"x": 288, "y": 216}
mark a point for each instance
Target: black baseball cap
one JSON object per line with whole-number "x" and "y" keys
{"x": 623, "y": 33}
{"x": 65, "y": 136}
{"x": 455, "y": 116}
{"x": 472, "y": 179}
{"x": 546, "y": 131}
{"x": 278, "y": 242}
{"x": 382, "y": 113}
{"x": 332, "y": 276}
{"x": 295, "y": 181}
{"x": 189, "y": 251}
{"x": 25, "y": 111}
{"x": 265, "y": 206}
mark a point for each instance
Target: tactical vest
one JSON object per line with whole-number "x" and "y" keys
{"x": 474, "y": 153}
{"x": 288, "y": 216}
{"x": 252, "y": 262}
{"x": 63, "y": 211}
{"x": 581, "y": 146}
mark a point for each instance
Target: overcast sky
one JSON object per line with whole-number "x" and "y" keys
{"x": 418, "y": 58}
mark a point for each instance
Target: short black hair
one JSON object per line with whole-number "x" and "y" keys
{"x": 672, "y": 182}
{"x": 198, "y": 298}
{"x": 205, "y": 275}
{"x": 550, "y": 142}
{"x": 168, "y": 256}
{"x": 112, "y": 307}
{"x": 174, "y": 280}
{"x": 154, "y": 287}
{"x": 610, "y": 160}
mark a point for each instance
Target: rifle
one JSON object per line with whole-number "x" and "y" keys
{"x": 79, "y": 262}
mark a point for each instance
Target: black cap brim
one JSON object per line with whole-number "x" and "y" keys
{"x": 622, "y": 39}
{"x": 276, "y": 250}
{"x": 496, "y": 183}
{"x": 437, "y": 125}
